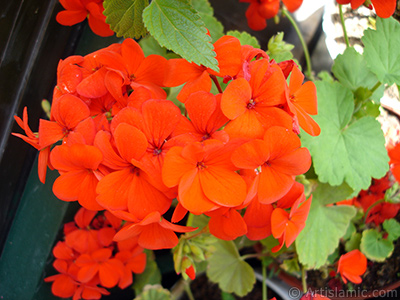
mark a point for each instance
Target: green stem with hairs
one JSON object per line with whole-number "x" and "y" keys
{"x": 346, "y": 38}
{"x": 302, "y": 41}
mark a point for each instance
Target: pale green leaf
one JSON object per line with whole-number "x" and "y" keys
{"x": 354, "y": 242}
{"x": 381, "y": 50}
{"x": 154, "y": 292}
{"x": 125, "y": 17}
{"x": 374, "y": 246}
{"x": 178, "y": 27}
{"x": 352, "y": 153}
{"x": 325, "y": 225}
{"x": 206, "y": 13}
{"x": 151, "y": 46}
{"x": 351, "y": 70}
{"x": 244, "y": 38}
{"x": 392, "y": 227}
{"x": 229, "y": 270}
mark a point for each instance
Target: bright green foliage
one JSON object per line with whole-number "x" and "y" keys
{"x": 350, "y": 231}
{"x": 374, "y": 246}
{"x": 345, "y": 152}
{"x": 278, "y": 49}
{"x": 177, "y": 26}
{"x": 382, "y": 50}
{"x": 154, "y": 292}
{"x": 351, "y": 70}
{"x": 151, "y": 275}
{"x": 151, "y": 46}
{"x": 354, "y": 242}
{"x": 325, "y": 225}
{"x": 226, "y": 296}
{"x": 392, "y": 227}
{"x": 244, "y": 38}
{"x": 206, "y": 13}
{"x": 125, "y": 17}
{"x": 229, "y": 270}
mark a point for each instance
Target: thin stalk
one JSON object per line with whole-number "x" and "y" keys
{"x": 376, "y": 86}
{"x": 264, "y": 286}
{"x": 214, "y": 78}
{"x": 188, "y": 290}
{"x": 346, "y": 38}
{"x": 371, "y": 207}
{"x": 303, "y": 43}
{"x": 304, "y": 279}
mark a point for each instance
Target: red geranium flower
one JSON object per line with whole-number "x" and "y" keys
{"x": 352, "y": 265}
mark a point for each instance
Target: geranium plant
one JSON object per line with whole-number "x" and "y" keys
{"x": 199, "y": 141}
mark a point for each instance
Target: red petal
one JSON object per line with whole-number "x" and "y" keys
{"x": 223, "y": 187}
{"x": 130, "y": 141}
{"x": 71, "y": 17}
{"x": 235, "y": 98}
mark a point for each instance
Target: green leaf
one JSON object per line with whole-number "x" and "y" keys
{"x": 351, "y": 70}
{"x": 381, "y": 50}
{"x": 326, "y": 76}
{"x": 178, "y": 27}
{"x": 325, "y": 225}
{"x": 226, "y": 296}
{"x": 206, "y": 13}
{"x": 151, "y": 46}
{"x": 151, "y": 274}
{"x": 343, "y": 152}
{"x": 354, "y": 242}
{"x": 154, "y": 292}
{"x": 374, "y": 246}
{"x": 392, "y": 227}
{"x": 350, "y": 231}
{"x": 125, "y": 17}
{"x": 228, "y": 269}
{"x": 244, "y": 38}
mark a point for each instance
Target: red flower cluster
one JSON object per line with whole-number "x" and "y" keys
{"x": 127, "y": 149}
{"x": 383, "y": 8}
{"x": 367, "y": 199}
{"x": 88, "y": 261}
{"x": 77, "y": 11}
{"x": 260, "y": 11}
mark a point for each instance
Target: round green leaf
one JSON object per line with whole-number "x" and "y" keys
{"x": 228, "y": 269}
{"x": 381, "y": 50}
{"x": 374, "y": 246}
{"x": 345, "y": 152}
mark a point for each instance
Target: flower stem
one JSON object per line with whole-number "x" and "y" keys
{"x": 376, "y": 86}
{"x": 188, "y": 290}
{"x": 264, "y": 286}
{"x": 304, "y": 278}
{"x": 371, "y": 207}
{"x": 214, "y": 78}
{"x": 346, "y": 38}
{"x": 303, "y": 43}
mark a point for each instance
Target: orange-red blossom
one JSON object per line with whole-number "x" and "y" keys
{"x": 127, "y": 150}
